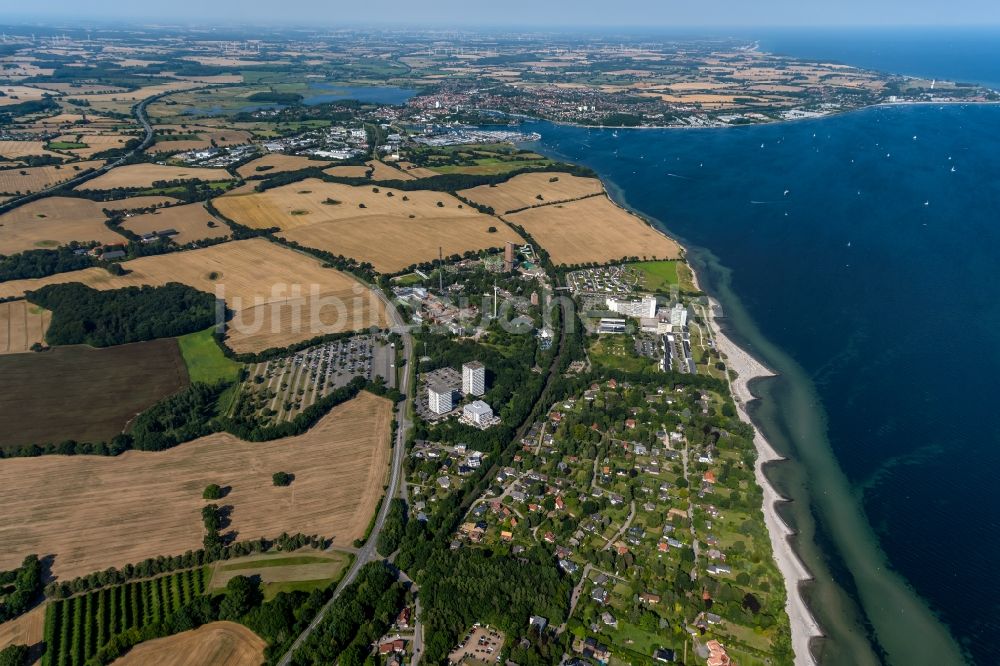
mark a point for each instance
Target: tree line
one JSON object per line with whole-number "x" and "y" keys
{"x": 20, "y": 588}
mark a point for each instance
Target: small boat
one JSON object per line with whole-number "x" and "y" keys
{"x": 953, "y": 169}
{"x": 786, "y": 192}
{"x": 927, "y": 203}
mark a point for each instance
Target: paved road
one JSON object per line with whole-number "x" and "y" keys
{"x": 140, "y": 114}
{"x": 367, "y": 552}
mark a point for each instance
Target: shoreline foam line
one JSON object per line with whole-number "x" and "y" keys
{"x": 803, "y": 625}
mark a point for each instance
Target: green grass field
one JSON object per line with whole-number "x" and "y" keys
{"x": 618, "y": 351}
{"x": 657, "y": 276}
{"x": 286, "y": 573}
{"x": 205, "y": 361}
{"x": 275, "y": 562}
{"x": 408, "y": 279}
{"x": 65, "y": 145}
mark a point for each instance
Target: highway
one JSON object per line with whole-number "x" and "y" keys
{"x": 367, "y": 552}
{"x": 140, "y": 114}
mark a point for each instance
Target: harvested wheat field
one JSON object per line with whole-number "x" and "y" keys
{"x": 382, "y": 233}
{"x": 593, "y": 229}
{"x": 28, "y": 629}
{"x": 51, "y": 222}
{"x": 15, "y": 149}
{"x": 22, "y": 325}
{"x": 382, "y": 171}
{"x": 95, "y": 143}
{"x": 354, "y": 171}
{"x": 270, "y": 288}
{"x": 522, "y": 191}
{"x": 417, "y": 172}
{"x": 191, "y": 221}
{"x": 32, "y": 179}
{"x": 212, "y": 644}
{"x": 223, "y": 137}
{"x": 144, "y": 175}
{"x": 94, "y": 512}
{"x": 140, "y": 93}
{"x": 20, "y": 94}
{"x": 278, "y": 163}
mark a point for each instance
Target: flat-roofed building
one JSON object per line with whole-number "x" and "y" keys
{"x": 473, "y": 378}
{"x": 439, "y": 398}
{"x": 478, "y": 412}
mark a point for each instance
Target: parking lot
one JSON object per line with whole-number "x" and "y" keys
{"x": 482, "y": 644}
{"x": 294, "y": 382}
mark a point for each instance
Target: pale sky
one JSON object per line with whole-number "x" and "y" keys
{"x": 524, "y": 13}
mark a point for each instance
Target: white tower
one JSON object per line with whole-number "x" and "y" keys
{"x": 473, "y": 378}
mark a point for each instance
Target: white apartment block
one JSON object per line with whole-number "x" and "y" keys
{"x": 478, "y": 412}
{"x": 473, "y": 378}
{"x": 641, "y": 308}
{"x": 439, "y": 399}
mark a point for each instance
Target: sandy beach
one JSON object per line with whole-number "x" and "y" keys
{"x": 803, "y": 625}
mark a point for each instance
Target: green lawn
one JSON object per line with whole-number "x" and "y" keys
{"x": 65, "y": 145}
{"x": 276, "y": 562}
{"x": 618, "y": 351}
{"x": 658, "y": 276}
{"x": 408, "y": 279}
{"x": 205, "y": 361}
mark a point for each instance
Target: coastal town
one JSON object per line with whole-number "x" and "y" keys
{"x": 325, "y": 356}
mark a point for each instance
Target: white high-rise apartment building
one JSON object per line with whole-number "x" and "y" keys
{"x": 439, "y": 398}
{"x": 473, "y": 378}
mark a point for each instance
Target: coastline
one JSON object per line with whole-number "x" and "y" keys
{"x": 782, "y": 121}
{"x": 803, "y": 625}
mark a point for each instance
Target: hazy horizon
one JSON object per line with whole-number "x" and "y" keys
{"x": 646, "y": 14}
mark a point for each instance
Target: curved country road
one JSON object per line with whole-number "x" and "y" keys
{"x": 367, "y": 552}
{"x": 140, "y": 114}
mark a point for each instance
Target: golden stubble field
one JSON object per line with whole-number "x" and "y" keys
{"x": 212, "y": 644}
{"x": 221, "y": 137}
{"x": 21, "y": 325}
{"x": 144, "y": 175}
{"x": 54, "y": 221}
{"x": 522, "y": 191}
{"x": 96, "y": 143}
{"x": 382, "y": 171}
{"x": 191, "y": 221}
{"x": 354, "y": 171}
{"x": 15, "y": 149}
{"x": 593, "y": 229}
{"x": 268, "y": 286}
{"x": 28, "y": 629}
{"x": 390, "y": 232}
{"x": 94, "y": 512}
{"x": 31, "y": 179}
{"x": 278, "y": 163}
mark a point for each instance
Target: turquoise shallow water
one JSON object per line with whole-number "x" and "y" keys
{"x": 865, "y": 248}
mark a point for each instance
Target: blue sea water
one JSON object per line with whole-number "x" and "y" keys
{"x": 867, "y": 247}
